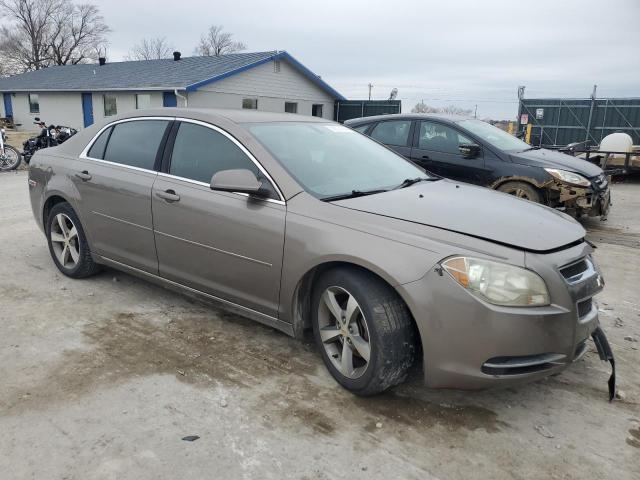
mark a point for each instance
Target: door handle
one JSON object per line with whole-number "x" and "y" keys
{"x": 84, "y": 175}
{"x": 168, "y": 195}
{"x": 425, "y": 157}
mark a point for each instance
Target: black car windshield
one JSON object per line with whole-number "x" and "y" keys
{"x": 330, "y": 160}
{"x": 494, "y": 136}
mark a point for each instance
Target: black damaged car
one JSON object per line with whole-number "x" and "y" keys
{"x": 473, "y": 151}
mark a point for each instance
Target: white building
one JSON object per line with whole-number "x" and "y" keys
{"x": 79, "y": 95}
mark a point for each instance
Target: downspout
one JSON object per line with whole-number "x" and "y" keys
{"x": 183, "y": 97}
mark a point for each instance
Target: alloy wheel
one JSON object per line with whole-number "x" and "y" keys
{"x": 65, "y": 241}
{"x": 344, "y": 332}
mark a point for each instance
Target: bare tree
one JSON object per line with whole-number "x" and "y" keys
{"x": 216, "y": 42}
{"x": 422, "y": 107}
{"x": 50, "y": 32}
{"x": 78, "y": 31}
{"x": 150, "y": 49}
{"x": 27, "y": 40}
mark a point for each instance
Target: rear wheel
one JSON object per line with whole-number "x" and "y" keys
{"x": 363, "y": 329}
{"x": 522, "y": 190}
{"x": 68, "y": 244}
{"x": 9, "y": 159}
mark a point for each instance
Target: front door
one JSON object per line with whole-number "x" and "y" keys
{"x": 436, "y": 148}
{"x": 226, "y": 244}
{"x": 169, "y": 99}
{"x": 87, "y": 109}
{"x": 114, "y": 183}
{"x": 8, "y": 107}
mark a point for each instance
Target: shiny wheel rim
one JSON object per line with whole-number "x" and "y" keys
{"x": 344, "y": 332}
{"x": 8, "y": 159}
{"x": 65, "y": 241}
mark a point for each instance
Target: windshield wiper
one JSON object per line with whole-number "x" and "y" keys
{"x": 352, "y": 194}
{"x": 530, "y": 148}
{"x": 407, "y": 182}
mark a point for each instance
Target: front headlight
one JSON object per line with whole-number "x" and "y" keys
{"x": 498, "y": 283}
{"x": 568, "y": 177}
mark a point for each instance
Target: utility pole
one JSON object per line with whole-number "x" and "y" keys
{"x": 370, "y": 87}
{"x": 475, "y": 113}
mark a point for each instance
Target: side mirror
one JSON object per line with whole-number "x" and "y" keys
{"x": 37, "y": 119}
{"x": 469, "y": 150}
{"x": 238, "y": 180}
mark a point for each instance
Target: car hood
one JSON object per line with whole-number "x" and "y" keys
{"x": 474, "y": 211}
{"x": 552, "y": 159}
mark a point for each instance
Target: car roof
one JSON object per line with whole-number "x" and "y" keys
{"x": 407, "y": 116}
{"x": 216, "y": 114}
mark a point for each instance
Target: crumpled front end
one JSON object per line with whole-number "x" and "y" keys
{"x": 594, "y": 200}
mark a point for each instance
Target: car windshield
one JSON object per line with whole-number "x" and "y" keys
{"x": 330, "y": 160}
{"x": 494, "y": 136}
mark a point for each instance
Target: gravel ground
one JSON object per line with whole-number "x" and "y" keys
{"x": 102, "y": 378}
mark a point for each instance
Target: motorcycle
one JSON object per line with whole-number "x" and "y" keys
{"x": 50, "y": 136}
{"x": 9, "y": 157}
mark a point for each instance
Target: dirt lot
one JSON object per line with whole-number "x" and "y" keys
{"x": 102, "y": 378}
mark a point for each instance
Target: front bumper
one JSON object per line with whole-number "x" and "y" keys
{"x": 471, "y": 344}
{"x": 594, "y": 201}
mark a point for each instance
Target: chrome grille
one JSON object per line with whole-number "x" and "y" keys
{"x": 573, "y": 270}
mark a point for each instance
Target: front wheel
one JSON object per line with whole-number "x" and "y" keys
{"x": 9, "y": 159}
{"x": 522, "y": 190}
{"x": 363, "y": 329}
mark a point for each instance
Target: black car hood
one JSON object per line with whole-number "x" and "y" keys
{"x": 475, "y": 211}
{"x": 552, "y": 159}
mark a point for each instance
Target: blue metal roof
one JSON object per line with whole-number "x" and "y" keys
{"x": 189, "y": 73}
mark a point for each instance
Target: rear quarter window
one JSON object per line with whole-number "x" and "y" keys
{"x": 97, "y": 149}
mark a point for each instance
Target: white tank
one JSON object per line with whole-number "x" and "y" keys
{"x": 617, "y": 142}
{"x": 622, "y": 143}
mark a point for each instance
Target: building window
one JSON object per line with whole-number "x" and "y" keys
{"x": 290, "y": 107}
{"x": 34, "y": 103}
{"x": 250, "y": 103}
{"x": 143, "y": 100}
{"x": 276, "y": 66}
{"x": 316, "y": 110}
{"x": 110, "y": 107}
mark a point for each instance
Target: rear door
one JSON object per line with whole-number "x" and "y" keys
{"x": 114, "y": 179}
{"x": 436, "y": 148}
{"x": 225, "y": 244}
{"x": 395, "y": 134}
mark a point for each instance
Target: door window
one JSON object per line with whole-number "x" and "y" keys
{"x": 394, "y": 132}
{"x": 440, "y": 138}
{"x": 200, "y": 152}
{"x": 136, "y": 143}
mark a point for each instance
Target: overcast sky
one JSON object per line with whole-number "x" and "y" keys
{"x": 445, "y": 52}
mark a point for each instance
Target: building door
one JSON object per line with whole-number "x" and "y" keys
{"x": 169, "y": 99}
{"x": 87, "y": 109}
{"x": 8, "y": 108}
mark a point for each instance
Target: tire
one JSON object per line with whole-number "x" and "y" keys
{"x": 522, "y": 190}
{"x": 384, "y": 318}
{"x": 10, "y": 160}
{"x": 61, "y": 237}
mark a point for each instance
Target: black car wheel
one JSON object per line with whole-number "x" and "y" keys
{"x": 363, "y": 329}
{"x": 522, "y": 190}
{"x": 68, "y": 244}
